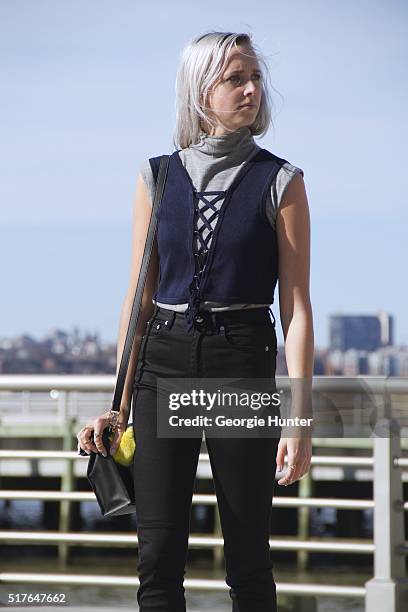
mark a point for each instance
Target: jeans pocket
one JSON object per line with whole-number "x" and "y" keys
{"x": 158, "y": 326}
{"x": 251, "y": 337}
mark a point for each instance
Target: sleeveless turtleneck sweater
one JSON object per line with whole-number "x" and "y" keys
{"x": 212, "y": 164}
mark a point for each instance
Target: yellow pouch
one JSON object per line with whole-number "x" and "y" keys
{"x": 127, "y": 446}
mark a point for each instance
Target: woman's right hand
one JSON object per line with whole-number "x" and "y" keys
{"x": 90, "y": 436}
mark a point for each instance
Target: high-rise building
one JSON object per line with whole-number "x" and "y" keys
{"x": 361, "y": 332}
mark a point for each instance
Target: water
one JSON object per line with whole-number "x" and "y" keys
{"x": 197, "y": 601}
{"x": 27, "y": 515}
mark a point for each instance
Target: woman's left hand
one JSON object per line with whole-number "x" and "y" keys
{"x": 299, "y": 452}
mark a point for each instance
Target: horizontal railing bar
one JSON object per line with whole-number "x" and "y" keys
{"x": 401, "y": 461}
{"x": 318, "y": 460}
{"x": 316, "y": 502}
{"x": 57, "y": 382}
{"x": 320, "y": 589}
{"x": 342, "y": 461}
{"x": 48, "y": 495}
{"x": 106, "y": 382}
{"x": 203, "y": 457}
{"x": 57, "y": 454}
{"x": 312, "y": 545}
{"x": 189, "y": 583}
{"x": 195, "y": 541}
{"x": 198, "y": 498}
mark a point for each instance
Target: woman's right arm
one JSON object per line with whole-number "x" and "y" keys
{"x": 141, "y": 218}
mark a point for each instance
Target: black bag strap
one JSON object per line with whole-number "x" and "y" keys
{"x": 124, "y": 363}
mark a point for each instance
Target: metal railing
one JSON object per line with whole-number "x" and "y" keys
{"x": 387, "y": 590}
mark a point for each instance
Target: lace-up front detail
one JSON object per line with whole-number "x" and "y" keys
{"x": 207, "y": 206}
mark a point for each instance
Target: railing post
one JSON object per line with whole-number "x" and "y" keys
{"x": 387, "y": 591}
{"x": 305, "y": 491}
{"x": 67, "y": 478}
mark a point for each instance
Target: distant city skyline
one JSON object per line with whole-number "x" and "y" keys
{"x": 88, "y": 94}
{"x": 358, "y": 347}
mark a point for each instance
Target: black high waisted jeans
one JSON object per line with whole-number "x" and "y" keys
{"x": 224, "y": 344}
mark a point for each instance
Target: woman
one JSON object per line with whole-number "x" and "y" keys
{"x": 207, "y": 314}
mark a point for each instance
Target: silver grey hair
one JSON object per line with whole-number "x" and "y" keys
{"x": 202, "y": 62}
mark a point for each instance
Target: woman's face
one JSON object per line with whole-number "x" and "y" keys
{"x": 239, "y": 85}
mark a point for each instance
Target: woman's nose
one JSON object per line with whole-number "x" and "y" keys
{"x": 250, "y": 87}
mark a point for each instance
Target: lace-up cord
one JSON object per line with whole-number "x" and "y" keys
{"x": 201, "y": 254}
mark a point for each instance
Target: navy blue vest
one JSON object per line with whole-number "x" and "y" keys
{"x": 242, "y": 260}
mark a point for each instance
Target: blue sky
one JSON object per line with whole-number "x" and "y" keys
{"x": 88, "y": 93}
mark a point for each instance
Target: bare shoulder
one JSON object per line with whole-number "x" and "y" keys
{"x": 295, "y": 192}
{"x": 148, "y": 178}
{"x": 142, "y": 203}
{"x": 293, "y": 220}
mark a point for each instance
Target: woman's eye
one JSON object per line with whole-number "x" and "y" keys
{"x": 237, "y": 79}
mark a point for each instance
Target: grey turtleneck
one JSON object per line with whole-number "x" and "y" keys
{"x": 212, "y": 164}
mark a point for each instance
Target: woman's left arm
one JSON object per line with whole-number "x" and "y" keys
{"x": 293, "y": 235}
